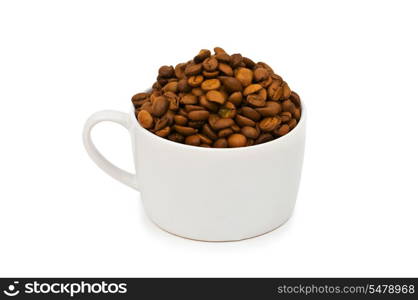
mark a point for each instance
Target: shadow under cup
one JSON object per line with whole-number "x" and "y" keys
{"x": 209, "y": 194}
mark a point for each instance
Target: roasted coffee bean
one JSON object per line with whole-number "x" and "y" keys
{"x": 204, "y": 139}
{"x": 180, "y": 120}
{"x": 292, "y": 123}
{"x": 179, "y": 70}
{"x": 166, "y": 71}
{"x": 269, "y": 124}
{"x": 176, "y": 137}
{"x": 237, "y": 140}
{"x": 197, "y": 91}
{"x": 261, "y": 74}
{"x": 250, "y": 113}
{"x": 275, "y": 90}
{"x": 286, "y": 91}
{"x": 195, "y": 81}
{"x": 244, "y": 75}
{"x": 271, "y": 109}
{"x": 193, "y": 69}
{"x": 264, "y": 138}
{"x": 244, "y": 121}
{"x": 203, "y": 54}
{"x": 285, "y": 116}
{"x": 222, "y": 123}
{"x": 225, "y": 132}
{"x": 210, "y": 64}
{"x": 163, "y": 132}
{"x": 218, "y": 100}
{"x": 193, "y": 140}
{"x": 160, "y": 106}
{"x": 282, "y": 130}
{"x": 211, "y": 84}
{"x": 205, "y": 146}
{"x": 235, "y": 98}
{"x": 250, "y": 132}
{"x": 220, "y": 143}
{"x": 215, "y": 96}
{"x": 188, "y": 99}
{"x": 198, "y": 115}
{"x": 226, "y": 69}
{"x": 183, "y": 130}
{"x": 232, "y": 84}
{"x": 145, "y": 119}
{"x": 206, "y": 130}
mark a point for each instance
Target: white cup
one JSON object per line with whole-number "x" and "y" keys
{"x": 209, "y": 194}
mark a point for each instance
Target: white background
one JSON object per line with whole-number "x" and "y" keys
{"x": 354, "y": 63}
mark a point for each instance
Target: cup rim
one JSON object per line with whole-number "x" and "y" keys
{"x": 271, "y": 143}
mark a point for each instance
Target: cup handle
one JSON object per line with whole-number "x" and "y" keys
{"x": 117, "y": 117}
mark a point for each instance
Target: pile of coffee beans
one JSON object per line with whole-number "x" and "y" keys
{"x": 218, "y": 100}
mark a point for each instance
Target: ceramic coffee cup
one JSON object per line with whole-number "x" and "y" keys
{"x": 209, "y": 194}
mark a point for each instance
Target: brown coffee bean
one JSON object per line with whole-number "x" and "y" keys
{"x": 295, "y": 99}
{"x": 250, "y": 113}
{"x": 163, "y": 132}
{"x": 213, "y": 118}
{"x": 183, "y": 86}
{"x": 220, "y": 143}
{"x": 210, "y": 64}
{"x": 275, "y": 90}
{"x": 218, "y": 50}
{"x": 206, "y": 130}
{"x": 248, "y": 62}
{"x": 176, "y": 137}
{"x": 282, "y": 130}
{"x": 193, "y": 69}
{"x": 235, "y": 98}
{"x": 180, "y": 120}
{"x": 286, "y": 91}
{"x": 237, "y": 140}
{"x": 196, "y": 124}
{"x": 183, "y": 130}
{"x": 160, "y": 124}
{"x": 191, "y": 107}
{"x": 188, "y": 99}
{"x": 261, "y": 74}
{"x": 215, "y": 96}
{"x": 227, "y": 110}
{"x": 236, "y": 60}
{"x": 296, "y": 113}
{"x": 244, "y": 121}
{"x": 266, "y": 83}
{"x": 204, "y": 139}
{"x": 250, "y": 132}
{"x": 205, "y": 146}
{"x": 147, "y": 106}
{"x": 223, "y": 57}
{"x": 211, "y": 106}
{"x": 198, "y": 115}
{"x": 264, "y": 138}
{"x": 208, "y": 74}
{"x": 171, "y": 87}
{"x": 166, "y": 71}
{"x": 195, "y": 81}
{"x": 193, "y": 140}
{"x": 292, "y": 123}
{"x": 244, "y": 75}
{"x": 226, "y": 69}
{"x": 179, "y": 70}
{"x": 251, "y": 89}
{"x": 232, "y": 84}
{"x": 137, "y": 98}
{"x": 288, "y": 105}
{"x": 203, "y": 54}
{"x": 269, "y": 124}
{"x": 225, "y": 132}
{"x": 236, "y": 128}
{"x": 211, "y": 84}
{"x": 160, "y": 106}
{"x": 265, "y": 66}
{"x": 222, "y": 123}
{"x": 256, "y": 100}
{"x": 145, "y": 119}
{"x": 285, "y": 116}
{"x": 271, "y": 109}
{"x": 197, "y": 91}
